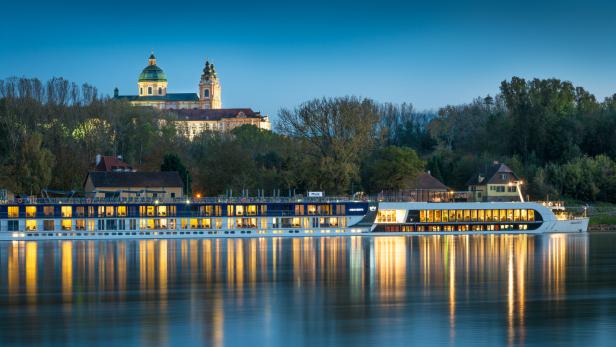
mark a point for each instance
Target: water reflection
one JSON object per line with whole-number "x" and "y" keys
{"x": 221, "y": 291}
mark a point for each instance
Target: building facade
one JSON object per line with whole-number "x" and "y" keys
{"x": 195, "y": 112}
{"x": 128, "y": 184}
{"x": 496, "y": 183}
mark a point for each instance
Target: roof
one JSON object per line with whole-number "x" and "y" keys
{"x": 168, "y": 97}
{"x": 136, "y": 179}
{"x": 215, "y": 114}
{"x": 110, "y": 163}
{"x": 492, "y": 175}
{"x": 427, "y": 182}
{"x": 152, "y": 73}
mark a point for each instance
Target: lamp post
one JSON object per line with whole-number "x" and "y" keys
{"x": 518, "y": 185}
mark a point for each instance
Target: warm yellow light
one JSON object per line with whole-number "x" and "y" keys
{"x": 198, "y": 196}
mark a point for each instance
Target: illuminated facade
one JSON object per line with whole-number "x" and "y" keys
{"x": 196, "y": 112}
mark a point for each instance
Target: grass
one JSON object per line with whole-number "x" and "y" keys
{"x": 603, "y": 219}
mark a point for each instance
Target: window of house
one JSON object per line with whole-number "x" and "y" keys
{"x": 206, "y": 93}
{"x": 160, "y": 91}
{"x": 149, "y": 90}
{"x": 141, "y": 91}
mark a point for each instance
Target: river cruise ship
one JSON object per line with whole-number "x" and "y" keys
{"x": 245, "y": 217}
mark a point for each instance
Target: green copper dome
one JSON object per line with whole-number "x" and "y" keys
{"x": 152, "y": 73}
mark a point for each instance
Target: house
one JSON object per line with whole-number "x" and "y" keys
{"x": 423, "y": 187}
{"x": 496, "y": 183}
{"x": 127, "y": 184}
{"x": 107, "y": 163}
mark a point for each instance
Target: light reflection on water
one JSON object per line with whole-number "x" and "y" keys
{"x": 457, "y": 290}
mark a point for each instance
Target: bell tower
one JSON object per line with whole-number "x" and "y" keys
{"x": 209, "y": 88}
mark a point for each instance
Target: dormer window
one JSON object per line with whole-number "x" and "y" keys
{"x": 206, "y": 93}
{"x": 149, "y": 90}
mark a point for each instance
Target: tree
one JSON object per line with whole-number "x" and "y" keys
{"x": 172, "y": 162}
{"x": 390, "y": 168}
{"x": 335, "y": 133}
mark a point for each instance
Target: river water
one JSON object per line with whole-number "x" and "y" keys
{"x": 483, "y": 290}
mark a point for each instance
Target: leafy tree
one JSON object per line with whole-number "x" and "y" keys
{"x": 172, "y": 162}
{"x": 390, "y": 168}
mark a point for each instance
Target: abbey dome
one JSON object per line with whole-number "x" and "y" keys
{"x": 152, "y": 73}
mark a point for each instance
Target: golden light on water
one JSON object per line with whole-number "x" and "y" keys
{"x": 397, "y": 271}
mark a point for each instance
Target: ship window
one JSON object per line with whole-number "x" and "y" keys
{"x": 523, "y": 216}
{"x": 80, "y": 211}
{"x": 516, "y": 215}
{"x": 67, "y": 211}
{"x": 31, "y": 225}
{"x": 80, "y": 224}
{"x": 109, "y": 211}
{"x": 452, "y": 215}
{"x": 162, "y": 211}
{"x": 430, "y": 216}
{"x": 481, "y": 215}
{"x": 218, "y": 210}
{"x": 48, "y": 225}
{"x": 13, "y": 211}
{"x": 495, "y": 215}
{"x": 13, "y": 225}
{"x": 473, "y": 215}
{"x": 206, "y": 223}
{"x": 48, "y": 211}
{"x": 67, "y": 224}
{"x": 229, "y": 210}
{"x": 531, "y": 215}
{"x": 387, "y": 216}
{"x": 239, "y": 210}
{"x": 509, "y": 215}
{"x": 299, "y": 210}
{"x": 459, "y": 215}
{"x": 503, "y": 215}
{"x": 445, "y": 216}
{"x": 437, "y": 216}
{"x": 121, "y": 211}
{"x": 251, "y": 210}
{"x": 467, "y": 215}
{"x": 312, "y": 210}
{"x": 30, "y": 211}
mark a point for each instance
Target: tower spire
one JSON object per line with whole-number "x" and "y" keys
{"x": 152, "y": 59}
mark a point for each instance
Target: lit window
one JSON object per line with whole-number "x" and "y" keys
{"x": 67, "y": 211}
{"x": 13, "y": 211}
{"x": 30, "y": 225}
{"x": 30, "y": 211}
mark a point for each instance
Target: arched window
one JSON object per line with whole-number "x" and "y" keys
{"x": 149, "y": 90}
{"x": 160, "y": 91}
{"x": 206, "y": 93}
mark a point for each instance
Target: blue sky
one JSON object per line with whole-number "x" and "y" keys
{"x": 277, "y": 54}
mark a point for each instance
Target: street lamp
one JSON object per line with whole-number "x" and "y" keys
{"x": 518, "y": 185}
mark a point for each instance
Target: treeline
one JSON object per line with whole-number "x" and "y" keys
{"x": 554, "y": 135}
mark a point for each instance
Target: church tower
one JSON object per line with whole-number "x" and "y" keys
{"x": 152, "y": 80}
{"x": 209, "y": 88}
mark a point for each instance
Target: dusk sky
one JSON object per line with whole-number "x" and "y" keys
{"x": 277, "y": 54}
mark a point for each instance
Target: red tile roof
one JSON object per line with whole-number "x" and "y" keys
{"x": 110, "y": 163}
